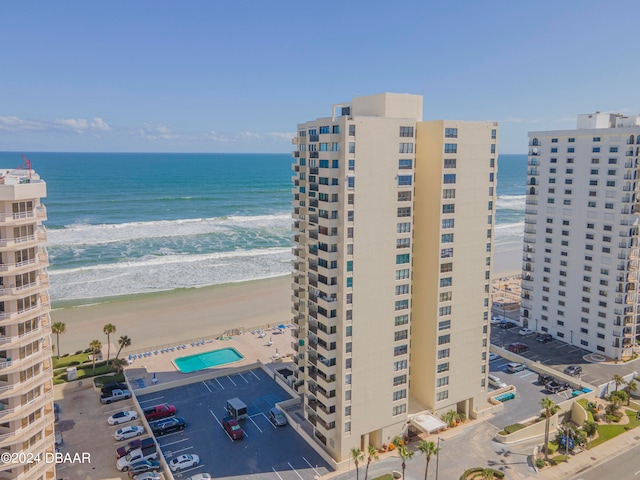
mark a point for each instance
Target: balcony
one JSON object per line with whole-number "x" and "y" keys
{"x": 314, "y": 138}
{"x": 23, "y": 242}
{"x": 313, "y": 154}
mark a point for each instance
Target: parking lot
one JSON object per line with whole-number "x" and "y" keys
{"x": 266, "y": 452}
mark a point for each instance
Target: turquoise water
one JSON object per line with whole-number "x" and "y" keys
{"x": 202, "y": 361}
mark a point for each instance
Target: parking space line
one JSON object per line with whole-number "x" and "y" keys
{"x": 502, "y": 364}
{"x": 172, "y": 443}
{"x": 256, "y": 423}
{"x": 575, "y": 350}
{"x": 214, "y": 416}
{"x": 527, "y": 374}
{"x": 234, "y": 383}
{"x": 172, "y": 453}
{"x": 205, "y": 384}
{"x": 192, "y": 469}
{"x": 243, "y": 378}
{"x": 312, "y": 468}
{"x": 561, "y": 346}
{"x": 122, "y": 408}
{"x": 533, "y": 357}
{"x": 152, "y": 399}
{"x": 301, "y": 475}
{"x": 219, "y": 383}
{"x": 254, "y": 374}
{"x": 274, "y": 471}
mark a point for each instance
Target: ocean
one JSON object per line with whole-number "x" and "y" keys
{"x": 122, "y": 223}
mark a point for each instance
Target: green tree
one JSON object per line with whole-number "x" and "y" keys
{"x": 58, "y": 328}
{"x": 630, "y": 387}
{"x": 108, "y": 329}
{"x": 618, "y": 380}
{"x": 405, "y": 454}
{"x": 96, "y": 347}
{"x": 487, "y": 474}
{"x": 372, "y": 454}
{"x": 118, "y": 364}
{"x": 124, "y": 342}
{"x": 428, "y": 449}
{"x": 590, "y": 427}
{"x": 617, "y": 398}
{"x": 356, "y": 456}
{"x": 550, "y": 408}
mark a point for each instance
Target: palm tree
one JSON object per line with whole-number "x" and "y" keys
{"x": 405, "y": 454}
{"x": 108, "y": 329}
{"x": 118, "y": 364}
{"x": 632, "y": 386}
{"x": 428, "y": 449}
{"x": 356, "y": 456}
{"x": 58, "y": 328}
{"x": 549, "y": 410}
{"x": 372, "y": 454}
{"x": 95, "y": 346}
{"x": 618, "y": 380}
{"x": 124, "y": 342}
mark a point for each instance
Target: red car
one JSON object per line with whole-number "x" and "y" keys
{"x": 517, "y": 347}
{"x": 159, "y": 411}
{"x": 232, "y": 427}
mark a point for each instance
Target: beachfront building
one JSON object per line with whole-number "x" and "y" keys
{"x": 581, "y": 253}
{"x": 393, "y": 222}
{"x": 26, "y": 379}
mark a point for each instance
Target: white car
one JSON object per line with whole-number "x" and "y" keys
{"x": 200, "y": 476}
{"x": 492, "y": 356}
{"x": 128, "y": 432}
{"x": 122, "y": 417}
{"x": 525, "y": 332}
{"x": 148, "y": 476}
{"x": 496, "y": 320}
{"x": 183, "y": 462}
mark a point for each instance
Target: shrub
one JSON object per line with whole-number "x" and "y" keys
{"x": 612, "y": 418}
{"x": 64, "y": 355}
{"x": 391, "y": 447}
{"x": 590, "y": 428}
{"x": 513, "y": 428}
{"x": 540, "y": 463}
{"x": 87, "y": 350}
{"x": 558, "y": 459}
{"x": 467, "y": 474}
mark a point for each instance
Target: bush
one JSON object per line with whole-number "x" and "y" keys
{"x": 540, "y": 463}
{"x": 87, "y": 350}
{"x": 468, "y": 473}
{"x": 79, "y": 352}
{"x": 512, "y": 428}
{"x": 590, "y": 428}
{"x": 558, "y": 459}
{"x": 612, "y": 418}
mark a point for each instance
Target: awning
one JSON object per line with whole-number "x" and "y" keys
{"x": 428, "y": 423}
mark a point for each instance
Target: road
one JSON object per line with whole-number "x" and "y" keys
{"x": 625, "y": 466}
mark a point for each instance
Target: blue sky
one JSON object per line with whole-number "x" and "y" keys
{"x": 237, "y": 76}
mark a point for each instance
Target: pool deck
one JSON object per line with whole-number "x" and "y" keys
{"x": 249, "y": 345}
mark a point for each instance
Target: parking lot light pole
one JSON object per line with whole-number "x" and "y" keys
{"x": 438, "y": 458}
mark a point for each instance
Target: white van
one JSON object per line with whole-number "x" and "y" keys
{"x": 496, "y": 382}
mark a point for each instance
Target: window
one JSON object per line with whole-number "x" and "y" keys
{"x": 444, "y": 353}
{"x": 406, "y": 132}
{"x": 446, "y": 282}
{"x": 571, "y": 150}
{"x": 446, "y": 253}
{"x": 446, "y": 267}
{"x": 335, "y": 147}
{"x": 446, "y": 238}
{"x": 349, "y": 282}
{"x": 442, "y": 395}
{"x": 352, "y": 164}
{"x": 401, "y": 320}
{"x": 449, "y": 178}
{"x": 405, "y": 180}
{"x": 554, "y": 150}
{"x": 335, "y": 164}
{"x": 444, "y": 325}
{"x": 352, "y": 147}
{"x": 404, "y": 196}
{"x": 400, "y": 365}
{"x": 399, "y": 409}
{"x": 441, "y": 382}
{"x": 400, "y": 394}
{"x": 493, "y": 134}
{"x": 451, "y": 133}
{"x": 444, "y": 339}
{"x": 449, "y": 193}
{"x": 399, "y": 380}
{"x": 448, "y": 208}
{"x": 443, "y": 311}
{"x": 595, "y": 149}
{"x": 404, "y": 227}
{"x": 613, "y": 149}
{"x": 402, "y": 289}
{"x": 405, "y": 164}
{"x": 335, "y": 129}
{"x": 406, "y": 148}
{"x": 324, "y": 129}
{"x": 350, "y": 266}
{"x": 400, "y": 350}
{"x": 402, "y": 305}
{"x": 449, "y": 163}
{"x": 450, "y": 148}
{"x": 352, "y": 130}
{"x": 443, "y": 367}
{"x": 611, "y": 172}
{"x": 401, "y": 335}
{"x": 613, "y": 161}
{"x": 351, "y": 181}
{"x": 402, "y": 258}
{"x": 446, "y": 296}
{"x": 448, "y": 223}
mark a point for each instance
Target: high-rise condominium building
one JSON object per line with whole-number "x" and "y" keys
{"x": 26, "y": 386}
{"x": 581, "y": 254}
{"x": 393, "y": 240}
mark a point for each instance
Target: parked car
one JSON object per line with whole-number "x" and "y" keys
{"x": 495, "y": 382}
{"x": 543, "y": 378}
{"x": 544, "y": 338}
{"x": 515, "y": 367}
{"x": 159, "y": 411}
{"x": 517, "y": 347}
{"x": 115, "y": 396}
{"x": 573, "y": 370}
{"x": 134, "y": 445}
{"x": 525, "y": 332}
{"x": 200, "y": 476}
{"x": 493, "y": 356}
{"x": 143, "y": 467}
{"x": 109, "y": 387}
{"x": 148, "y": 476}
{"x": 182, "y": 462}
{"x": 496, "y": 320}
{"x": 277, "y": 417}
{"x": 507, "y": 324}
{"x": 233, "y": 428}
{"x": 122, "y": 417}
{"x": 167, "y": 425}
{"x": 59, "y": 439}
{"x": 128, "y": 432}
{"x": 556, "y": 386}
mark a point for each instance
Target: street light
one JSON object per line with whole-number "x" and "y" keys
{"x": 438, "y": 458}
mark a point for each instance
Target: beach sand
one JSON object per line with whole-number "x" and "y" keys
{"x": 167, "y": 317}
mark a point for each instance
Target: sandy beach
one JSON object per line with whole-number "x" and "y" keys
{"x": 161, "y": 318}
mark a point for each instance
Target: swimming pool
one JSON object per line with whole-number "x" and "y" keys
{"x": 202, "y": 361}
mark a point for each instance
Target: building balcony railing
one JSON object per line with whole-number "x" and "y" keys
{"x": 39, "y": 213}
{"x": 16, "y": 389}
{"x": 531, "y": 211}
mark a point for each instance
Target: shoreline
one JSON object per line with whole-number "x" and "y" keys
{"x": 158, "y": 318}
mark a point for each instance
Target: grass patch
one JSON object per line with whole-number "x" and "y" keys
{"x": 557, "y": 459}
{"x": 512, "y": 428}
{"x": 607, "y": 432}
{"x": 386, "y": 476}
{"x": 67, "y": 361}
{"x": 553, "y": 447}
{"x": 583, "y": 403}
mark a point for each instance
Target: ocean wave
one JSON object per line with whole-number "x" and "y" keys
{"x": 511, "y": 202}
{"x": 87, "y": 234}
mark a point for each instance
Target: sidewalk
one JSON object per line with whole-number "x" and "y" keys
{"x": 589, "y": 458}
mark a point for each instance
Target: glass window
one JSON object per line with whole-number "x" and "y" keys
{"x": 451, "y": 133}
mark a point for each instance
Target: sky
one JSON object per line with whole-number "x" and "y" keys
{"x": 238, "y": 76}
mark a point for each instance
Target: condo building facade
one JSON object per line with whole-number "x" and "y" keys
{"x": 581, "y": 254}
{"x": 393, "y": 227}
{"x": 26, "y": 378}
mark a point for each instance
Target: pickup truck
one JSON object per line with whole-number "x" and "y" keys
{"x": 159, "y": 411}
{"x": 114, "y": 396}
{"x": 138, "y": 455}
{"x": 134, "y": 445}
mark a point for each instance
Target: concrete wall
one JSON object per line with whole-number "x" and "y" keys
{"x": 532, "y": 431}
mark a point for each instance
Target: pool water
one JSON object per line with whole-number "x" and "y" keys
{"x": 201, "y": 361}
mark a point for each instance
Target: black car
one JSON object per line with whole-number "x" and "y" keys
{"x": 167, "y": 425}
{"x": 543, "y": 379}
{"x": 507, "y": 324}
{"x": 544, "y": 338}
{"x": 143, "y": 467}
{"x": 107, "y": 388}
{"x": 556, "y": 386}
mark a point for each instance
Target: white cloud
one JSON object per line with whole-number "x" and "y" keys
{"x": 157, "y": 132}
{"x": 100, "y": 124}
{"x": 80, "y": 125}
{"x": 14, "y": 124}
